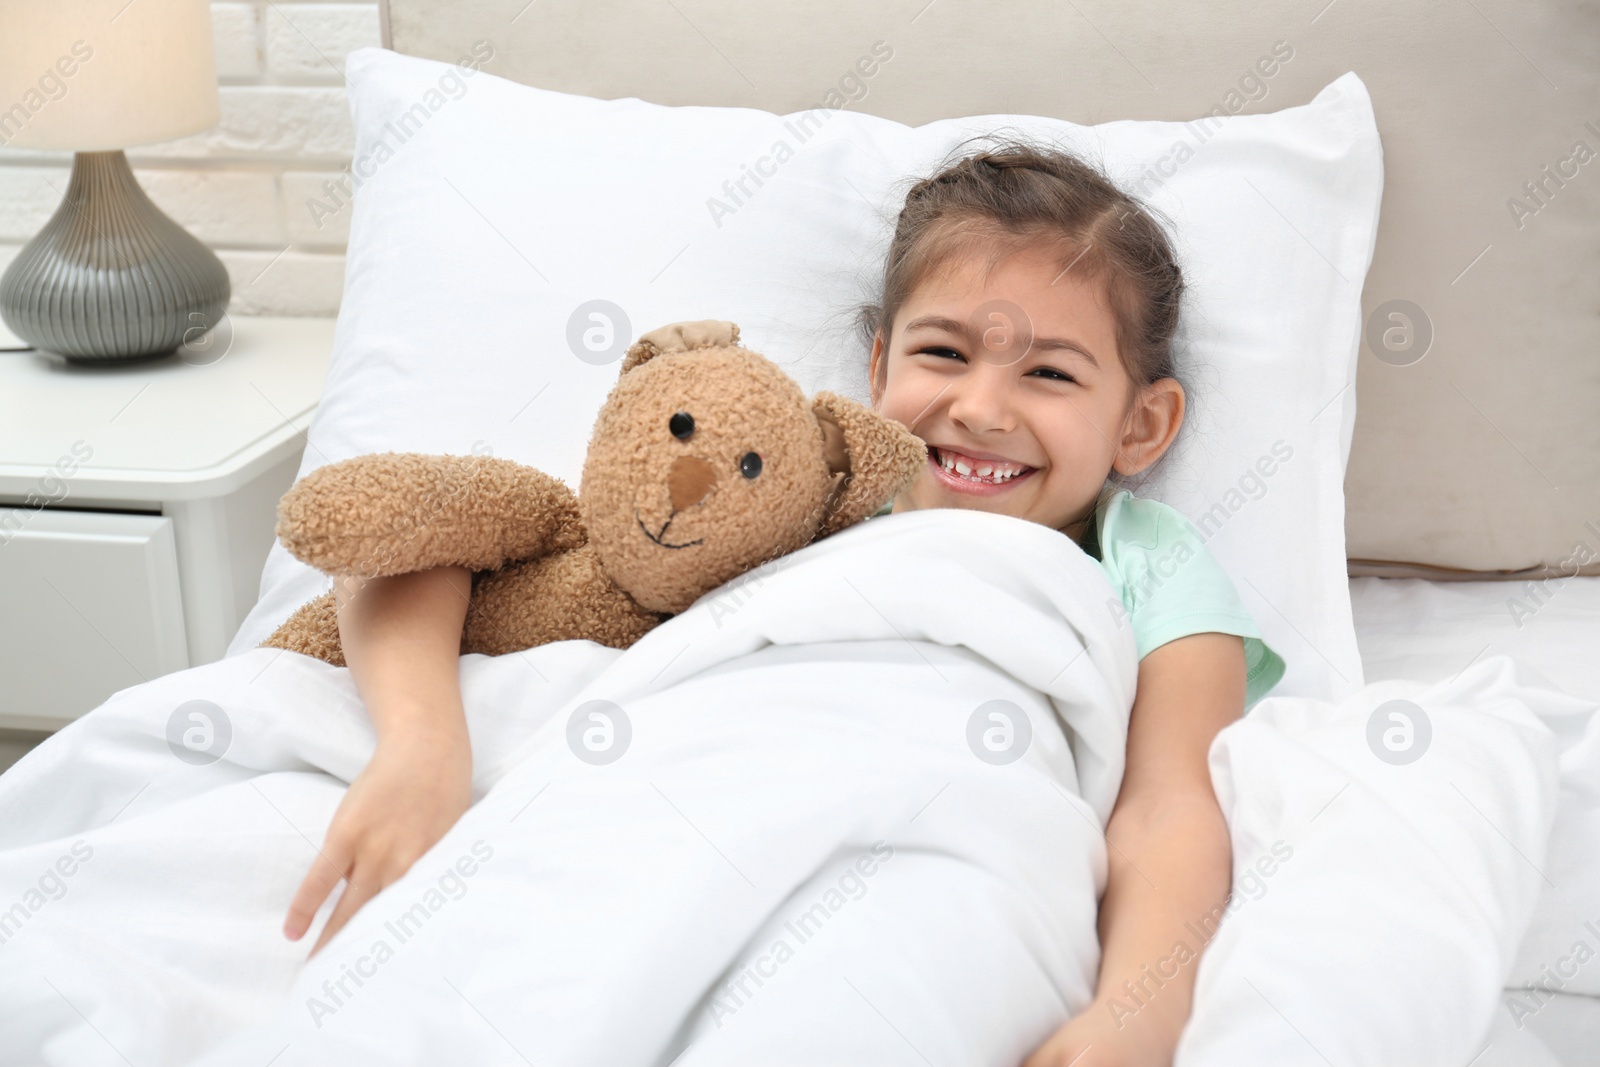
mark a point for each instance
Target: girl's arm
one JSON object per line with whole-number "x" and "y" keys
{"x": 402, "y": 641}
{"x": 1170, "y": 860}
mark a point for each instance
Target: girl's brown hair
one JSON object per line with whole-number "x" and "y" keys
{"x": 1017, "y": 194}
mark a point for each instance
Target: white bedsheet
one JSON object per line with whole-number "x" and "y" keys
{"x": 1432, "y": 630}
{"x": 1386, "y": 938}
{"x": 800, "y": 741}
{"x": 1425, "y": 631}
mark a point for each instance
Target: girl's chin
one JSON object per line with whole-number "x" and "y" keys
{"x": 928, "y": 493}
{"x": 925, "y": 496}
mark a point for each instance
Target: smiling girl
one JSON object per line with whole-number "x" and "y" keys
{"x": 1025, "y": 333}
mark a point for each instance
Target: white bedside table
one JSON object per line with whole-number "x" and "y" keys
{"x": 159, "y": 485}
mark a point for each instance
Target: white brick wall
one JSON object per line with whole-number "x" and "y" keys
{"x": 242, "y": 186}
{"x": 309, "y": 41}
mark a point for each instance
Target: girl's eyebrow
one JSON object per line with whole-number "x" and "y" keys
{"x": 1043, "y": 344}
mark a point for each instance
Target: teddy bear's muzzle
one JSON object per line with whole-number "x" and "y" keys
{"x": 689, "y": 481}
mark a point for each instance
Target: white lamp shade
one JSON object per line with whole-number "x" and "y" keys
{"x": 96, "y": 75}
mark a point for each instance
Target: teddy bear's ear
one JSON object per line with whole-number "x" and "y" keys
{"x": 680, "y": 336}
{"x": 878, "y": 458}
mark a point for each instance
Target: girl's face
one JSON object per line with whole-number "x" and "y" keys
{"x": 1016, "y": 384}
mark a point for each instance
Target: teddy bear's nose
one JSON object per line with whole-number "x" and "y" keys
{"x": 689, "y": 480}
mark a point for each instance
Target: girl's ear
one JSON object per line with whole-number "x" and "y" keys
{"x": 875, "y": 368}
{"x": 876, "y": 457}
{"x": 679, "y": 336}
{"x": 1151, "y": 426}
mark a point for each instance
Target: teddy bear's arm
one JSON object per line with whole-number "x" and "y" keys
{"x": 395, "y": 513}
{"x": 565, "y": 597}
{"x": 562, "y": 597}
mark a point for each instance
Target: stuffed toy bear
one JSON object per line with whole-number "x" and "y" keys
{"x": 706, "y": 461}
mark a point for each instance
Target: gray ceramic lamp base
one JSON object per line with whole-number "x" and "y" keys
{"x": 110, "y": 278}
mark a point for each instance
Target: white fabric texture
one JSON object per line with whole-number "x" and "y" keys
{"x": 1387, "y": 935}
{"x": 783, "y": 731}
{"x": 490, "y": 215}
{"x": 1414, "y": 629}
{"x": 1433, "y": 630}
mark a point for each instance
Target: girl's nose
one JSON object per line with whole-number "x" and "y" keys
{"x": 982, "y": 399}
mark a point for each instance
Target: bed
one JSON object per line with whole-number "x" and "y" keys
{"x": 1419, "y": 553}
{"x": 1415, "y": 628}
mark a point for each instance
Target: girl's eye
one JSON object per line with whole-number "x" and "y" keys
{"x": 936, "y": 350}
{"x": 1055, "y": 375}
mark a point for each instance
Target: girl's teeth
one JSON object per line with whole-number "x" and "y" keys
{"x": 981, "y": 470}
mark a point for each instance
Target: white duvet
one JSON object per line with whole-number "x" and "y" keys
{"x": 845, "y": 810}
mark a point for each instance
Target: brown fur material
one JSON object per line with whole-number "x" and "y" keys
{"x": 380, "y": 514}
{"x": 313, "y": 630}
{"x": 669, "y": 509}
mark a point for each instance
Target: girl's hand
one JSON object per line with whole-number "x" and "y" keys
{"x": 411, "y": 793}
{"x": 1093, "y": 1039}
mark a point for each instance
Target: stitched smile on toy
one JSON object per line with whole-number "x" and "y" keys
{"x": 690, "y": 480}
{"x": 657, "y": 538}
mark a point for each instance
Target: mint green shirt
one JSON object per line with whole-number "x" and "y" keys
{"x": 1170, "y": 585}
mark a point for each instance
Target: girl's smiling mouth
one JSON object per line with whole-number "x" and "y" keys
{"x": 984, "y": 475}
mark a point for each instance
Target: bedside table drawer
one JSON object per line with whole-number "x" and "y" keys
{"x": 89, "y": 604}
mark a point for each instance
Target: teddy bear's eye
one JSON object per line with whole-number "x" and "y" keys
{"x": 681, "y": 425}
{"x": 750, "y": 465}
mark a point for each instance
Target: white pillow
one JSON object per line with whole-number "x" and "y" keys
{"x": 491, "y": 216}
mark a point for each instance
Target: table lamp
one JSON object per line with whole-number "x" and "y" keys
{"x": 110, "y": 277}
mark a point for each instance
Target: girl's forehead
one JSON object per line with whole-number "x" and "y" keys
{"x": 977, "y": 253}
{"x": 1047, "y": 293}
{"x": 1039, "y": 269}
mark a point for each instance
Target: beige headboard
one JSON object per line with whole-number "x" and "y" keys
{"x": 1483, "y": 455}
